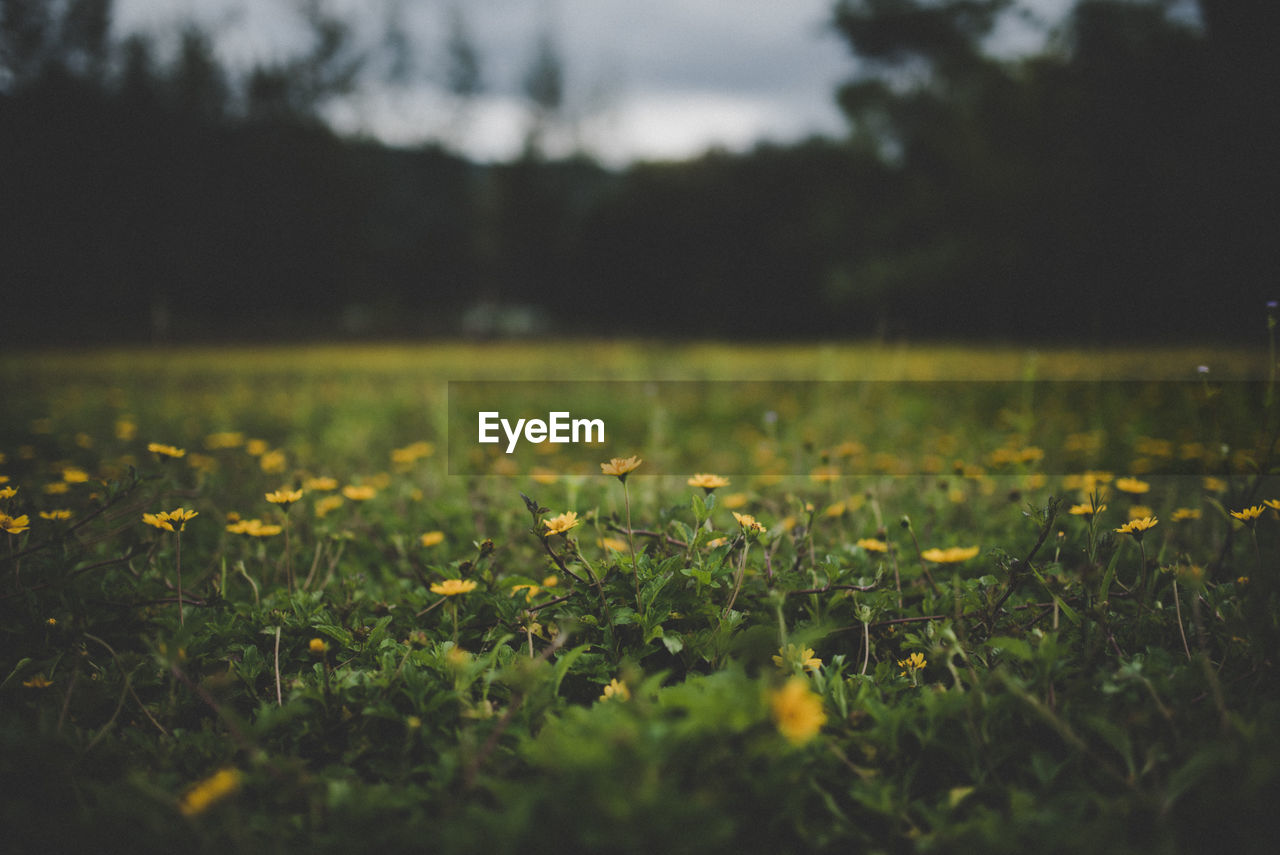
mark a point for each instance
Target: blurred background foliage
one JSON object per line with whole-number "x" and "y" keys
{"x": 1120, "y": 184}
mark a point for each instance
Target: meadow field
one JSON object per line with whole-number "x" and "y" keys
{"x": 944, "y": 598}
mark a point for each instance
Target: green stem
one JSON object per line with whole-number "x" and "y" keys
{"x": 1257, "y": 550}
{"x": 924, "y": 566}
{"x": 737, "y": 581}
{"x": 288, "y": 553}
{"x": 179, "y": 561}
{"x": 1143, "y": 592}
{"x": 635, "y": 568}
{"x": 1177, "y": 606}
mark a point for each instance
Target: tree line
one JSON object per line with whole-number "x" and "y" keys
{"x": 1118, "y": 185}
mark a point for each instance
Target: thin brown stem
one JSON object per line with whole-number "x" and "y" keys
{"x": 279, "y": 694}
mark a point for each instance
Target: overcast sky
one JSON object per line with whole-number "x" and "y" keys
{"x": 653, "y": 79}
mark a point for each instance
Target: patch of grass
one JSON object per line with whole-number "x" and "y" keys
{"x": 400, "y": 658}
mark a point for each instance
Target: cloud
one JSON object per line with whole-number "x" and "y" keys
{"x": 661, "y": 79}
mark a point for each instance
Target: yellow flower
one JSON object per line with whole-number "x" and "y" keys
{"x": 1181, "y": 514}
{"x": 616, "y": 689}
{"x": 318, "y": 646}
{"x": 209, "y": 792}
{"x": 59, "y": 514}
{"x": 1249, "y": 515}
{"x": 914, "y": 662}
{"x": 7, "y": 492}
{"x": 530, "y": 591}
{"x": 257, "y": 447}
{"x": 224, "y": 439}
{"x": 614, "y": 543}
{"x": 327, "y": 504}
{"x": 284, "y": 497}
{"x": 1132, "y": 485}
{"x": 39, "y": 681}
{"x": 621, "y": 466}
{"x": 1086, "y": 510}
{"x": 180, "y": 516}
{"x": 432, "y": 538}
{"x": 797, "y": 711}
{"x": 203, "y": 463}
{"x": 748, "y": 523}
{"x": 550, "y": 581}
{"x": 160, "y": 520}
{"x": 793, "y": 653}
{"x": 871, "y": 544}
{"x": 1214, "y": 485}
{"x": 254, "y": 528}
{"x": 1274, "y": 504}
{"x": 735, "y": 500}
{"x": 163, "y": 451}
{"x": 561, "y": 523}
{"x": 950, "y": 555}
{"x": 453, "y": 587}
{"x": 321, "y": 484}
{"x": 1139, "y": 511}
{"x": 74, "y": 475}
{"x": 126, "y": 430}
{"x": 273, "y": 462}
{"x": 57, "y": 488}
{"x": 14, "y": 525}
{"x": 707, "y": 481}
{"x": 404, "y": 458}
{"x": 1137, "y": 527}
{"x": 849, "y": 448}
{"x": 835, "y": 510}
{"x": 359, "y": 493}
{"x": 543, "y": 475}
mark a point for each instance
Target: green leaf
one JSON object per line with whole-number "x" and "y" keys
{"x": 683, "y": 531}
{"x": 699, "y": 509}
{"x": 1109, "y": 576}
{"x": 378, "y": 632}
{"x": 337, "y": 633}
{"x": 649, "y": 593}
{"x": 1067, "y": 612}
{"x": 563, "y": 664}
{"x": 1018, "y": 648}
{"x": 22, "y": 663}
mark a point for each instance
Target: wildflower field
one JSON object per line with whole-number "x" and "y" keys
{"x": 246, "y": 607}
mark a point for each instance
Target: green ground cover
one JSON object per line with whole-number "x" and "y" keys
{"x": 245, "y": 607}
